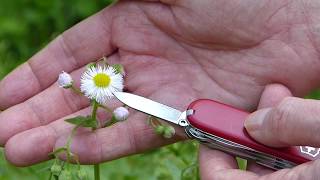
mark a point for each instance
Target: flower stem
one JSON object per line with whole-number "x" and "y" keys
{"x": 69, "y": 141}
{"x": 97, "y": 172}
{"x": 106, "y": 108}
{"x": 76, "y": 90}
{"x": 94, "y": 116}
{"x": 94, "y": 113}
{"x": 50, "y": 176}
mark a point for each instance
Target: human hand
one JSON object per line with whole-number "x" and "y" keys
{"x": 173, "y": 52}
{"x": 292, "y": 122}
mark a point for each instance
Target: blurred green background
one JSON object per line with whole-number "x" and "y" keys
{"x": 28, "y": 25}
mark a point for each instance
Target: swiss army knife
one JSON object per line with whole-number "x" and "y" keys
{"x": 221, "y": 127}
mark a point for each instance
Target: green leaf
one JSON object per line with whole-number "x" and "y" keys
{"x": 83, "y": 121}
{"x": 56, "y": 169}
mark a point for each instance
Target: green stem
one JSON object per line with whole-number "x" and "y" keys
{"x": 97, "y": 172}
{"x": 94, "y": 116}
{"x": 56, "y": 177}
{"x": 50, "y": 177}
{"x": 105, "y": 60}
{"x": 94, "y": 113}
{"x": 106, "y": 108}
{"x": 76, "y": 90}
{"x": 110, "y": 122}
{"x": 198, "y": 172}
{"x": 69, "y": 141}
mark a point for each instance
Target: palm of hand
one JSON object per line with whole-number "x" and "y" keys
{"x": 173, "y": 52}
{"x": 215, "y": 50}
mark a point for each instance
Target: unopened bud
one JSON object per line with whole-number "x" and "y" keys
{"x": 121, "y": 113}
{"x": 159, "y": 129}
{"x": 65, "y": 80}
{"x": 169, "y": 132}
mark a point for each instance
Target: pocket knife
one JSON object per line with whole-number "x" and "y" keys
{"x": 221, "y": 127}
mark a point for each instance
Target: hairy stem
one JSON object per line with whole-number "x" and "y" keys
{"x": 76, "y": 90}
{"x": 97, "y": 172}
{"x": 94, "y": 116}
{"x": 69, "y": 141}
{"x": 94, "y": 113}
{"x": 109, "y": 123}
{"x": 106, "y": 108}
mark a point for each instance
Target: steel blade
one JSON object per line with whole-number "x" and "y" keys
{"x": 149, "y": 107}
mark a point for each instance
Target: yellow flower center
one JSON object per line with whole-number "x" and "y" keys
{"x": 102, "y": 80}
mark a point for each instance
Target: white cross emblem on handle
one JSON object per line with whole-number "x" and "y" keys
{"x": 311, "y": 151}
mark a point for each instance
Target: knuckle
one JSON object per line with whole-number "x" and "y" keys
{"x": 280, "y": 117}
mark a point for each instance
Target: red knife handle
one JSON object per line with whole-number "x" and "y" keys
{"x": 227, "y": 122}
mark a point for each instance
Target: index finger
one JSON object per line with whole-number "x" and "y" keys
{"x": 85, "y": 42}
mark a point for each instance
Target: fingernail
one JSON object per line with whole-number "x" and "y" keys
{"x": 254, "y": 121}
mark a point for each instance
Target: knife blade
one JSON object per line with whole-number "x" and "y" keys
{"x": 150, "y": 107}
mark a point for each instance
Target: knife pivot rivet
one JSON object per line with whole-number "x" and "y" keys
{"x": 182, "y": 121}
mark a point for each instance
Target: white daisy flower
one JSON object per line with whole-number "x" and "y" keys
{"x": 65, "y": 80}
{"x": 100, "y": 82}
{"x": 121, "y": 113}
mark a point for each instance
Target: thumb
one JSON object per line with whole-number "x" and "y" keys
{"x": 294, "y": 121}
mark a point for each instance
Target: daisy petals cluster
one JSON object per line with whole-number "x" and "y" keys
{"x": 100, "y": 82}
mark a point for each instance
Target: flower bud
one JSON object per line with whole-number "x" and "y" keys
{"x": 159, "y": 129}
{"x": 169, "y": 132}
{"x": 121, "y": 113}
{"x": 56, "y": 169}
{"x": 65, "y": 80}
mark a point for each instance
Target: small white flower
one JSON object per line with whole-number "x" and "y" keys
{"x": 121, "y": 113}
{"x": 65, "y": 80}
{"x": 100, "y": 82}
